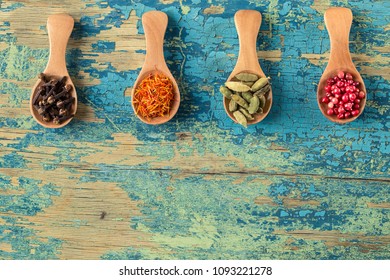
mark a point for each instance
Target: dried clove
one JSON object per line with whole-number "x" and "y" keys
{"x": 62, "y": 103}
{"x": 63, "y": 112}
{"x": 53, "y": 99}
{"x": 68, "y": 106}
{"x": 63, "y": 80}
{"x": 61, "y": 94}
{"x": 46, "y": 118}
{"x": 41, "y": 91}
{"x": 58, "y": 120}
{"x": 42, "y": 77}
{"x": 53, "y": 112}
{"x": 43, "y": 109}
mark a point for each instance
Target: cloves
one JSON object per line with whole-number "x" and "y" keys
{"x": 62, "y": 103}
{"x": 63, "y": 112}
{"x": 58, "y": 120}
{"x": 46, "y": 118}
{"x": 53, "y": 99}
{"x": 41, "y": 91}
{"x": 42, "y": 77}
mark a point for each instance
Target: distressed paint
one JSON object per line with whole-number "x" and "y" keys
{"x": 294, "y": 186}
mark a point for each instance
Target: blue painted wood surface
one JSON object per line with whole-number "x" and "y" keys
{"x": 294, "y": 186}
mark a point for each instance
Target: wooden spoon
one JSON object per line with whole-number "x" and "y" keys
{"x": 155, "y": 23}
{"x": 338, "y": 22}
{"x": 248, "y": 24}
{"x": 59, "y": 28}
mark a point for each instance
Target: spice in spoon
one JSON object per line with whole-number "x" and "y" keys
{"x": 53, "y": 99}
{"x": 247, "y": 94}
{"x": 343, "y": 96}
{"x": 153, "y": 97}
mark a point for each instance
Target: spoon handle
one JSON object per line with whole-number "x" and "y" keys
{"x": 59, "y": 28}
{"x": 155, "y": 24}
{"x": 247, "y": 24}
{"x": 338, "y": 22}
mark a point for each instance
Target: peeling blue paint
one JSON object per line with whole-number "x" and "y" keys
{"x": 12, "y": 160}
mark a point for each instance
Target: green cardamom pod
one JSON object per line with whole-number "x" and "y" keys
{"x": 246, "y": 114}
{"x": 233, "y": 106}
{"x": 254, "y": 104}
{"x": 226, "y": 92}
{"x": 240, "y": 101}
{"x": 240, "y": 118}
{"x": 260, "y": 83}
{"x": 247, "y": 77}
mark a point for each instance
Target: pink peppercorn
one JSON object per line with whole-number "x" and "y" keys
{"x": 343, "y": 96}
{"x": 340, "y": 116}
{"x": 330, "y": 112}
{"x": 355, "y": 113}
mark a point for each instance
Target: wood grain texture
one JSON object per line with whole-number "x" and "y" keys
{"x": 107, "y": 186}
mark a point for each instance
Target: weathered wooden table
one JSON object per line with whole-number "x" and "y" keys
{"x": 294, "y": 186}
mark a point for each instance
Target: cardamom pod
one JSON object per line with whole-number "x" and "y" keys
{"x": 262, "y": 100}
{"x": 247, "y": 96}
{"x": 259, "y": 84}
{"x": 247, "y": 77}
{"x": 240, "y": 118}
{"x": 245, "y": 112}
{"x": 249, "y": 84}
{"x": 263, "y": 90}
{"x": 240, "y": 101}
{"x": 233, "y": 106}
{"x": 237, "y": 86}
{"x": 226, "y": 92}
{"x": 254, "y": 104}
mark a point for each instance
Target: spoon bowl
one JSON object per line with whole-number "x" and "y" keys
{"x": 59, "y": 28}
{"x": 155, "y": 24}
{"x": 321, "y": 93}
{"x": 338, "y": 22}
{"x": 248, "y": 24}
{"x": 174, "y": 105}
